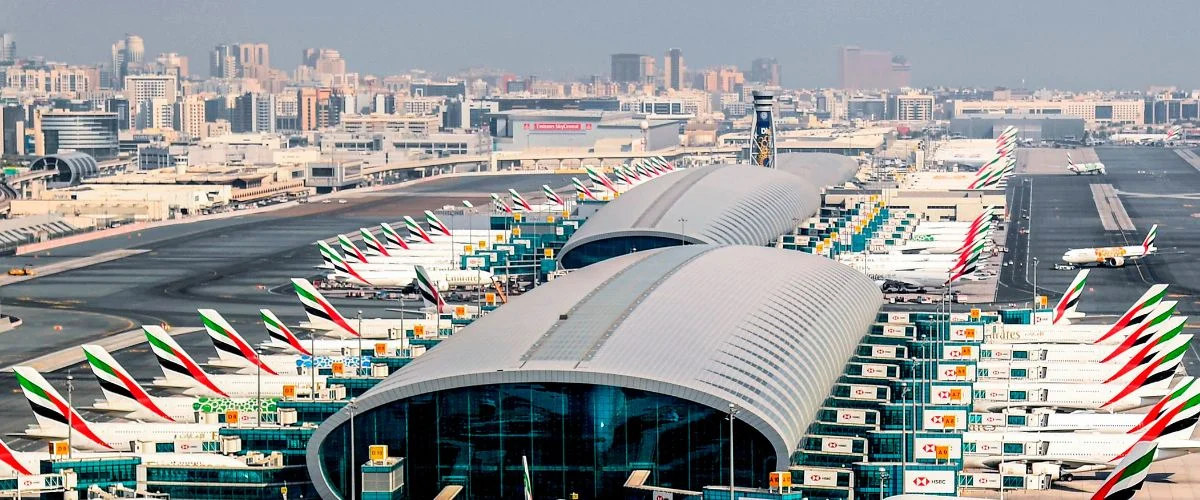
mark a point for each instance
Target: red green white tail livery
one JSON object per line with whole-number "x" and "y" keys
{"x": 393, "y": 238}
{"x": 374, "y": 246}
{"x": 436, "y": 224}
{"x": 350, "y": 249}
{"x": 51, "y": 409}
{"x": 416, "y": 230}
{"x": 280, "y": 332}
{"x": 552, "y": 197}
{"x": 519, "y": 200}
{"x": 321, "y": 314}
{"x": 120, "y": 388}
{"x": 582, "y": 191}
{"x": 1064, "y": 310}
{"x": 230, "y": 345}
{"x": 177, "y": 365}
{"x": 428, "y": 290}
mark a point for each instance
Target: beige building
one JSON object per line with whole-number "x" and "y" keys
{"x": 191, "y": 117}
{"x": 913, "y": 107}
{"x": 57, "y": 79}
{"x": 411, "y": 124}
{"x": 1093, "y": 112}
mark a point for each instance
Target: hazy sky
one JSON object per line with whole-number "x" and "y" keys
{"x": 1045, "y": 43}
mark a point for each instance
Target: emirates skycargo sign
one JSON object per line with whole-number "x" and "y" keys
{"x": 557, "y": 127}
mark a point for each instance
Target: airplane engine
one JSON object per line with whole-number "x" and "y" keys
{"x": 1114, "y": 261}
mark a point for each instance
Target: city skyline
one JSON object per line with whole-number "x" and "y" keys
{"x": 947, "y": 45}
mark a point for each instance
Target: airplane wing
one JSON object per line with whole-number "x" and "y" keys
{"x": 1072, "y": 463}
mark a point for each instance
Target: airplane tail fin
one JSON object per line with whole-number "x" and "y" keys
{"x": 49, "y": 407}
{"x": 1138, "y": 312}
{"x": 350, "y": 249}
{"x": 1070, "y": 162}
{"x": 340, "y": 265}
{"x": 177, "y": 365}
{"x": 1160, "y": 370}
{"x": 552, "y": 197}
{"x": 392, "y": 236}
{"x": 1148, "y": 243}
{"x": 280, "y": 332}
{"x": 582, "y": 191}
{"x": 499, "y": 205}
{"x": 373, "y": 243}
{"x": 119, "y": 388}
{"x": 1149, "y": 328}
{"x": 320, "y": 312}
{"x": 601, "y": 179}
{"x": 428, "y": 289}
{"x": 1130, "y": 474}
{"x": 1181, "y": 398}
{"x": 9, "y": 457}
{"x": 230, "y": 345}
{"x": 1070, "y": 300}
{"x": 436, "y": 224}
{"x": 1157, "y": 340}
{"x": 416, "y": 230}
{"x": 519, "y": 200}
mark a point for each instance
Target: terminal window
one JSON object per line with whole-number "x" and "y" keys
{"x": 1104, "y": 112}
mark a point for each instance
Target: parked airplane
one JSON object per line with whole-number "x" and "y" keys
{"x": 28, "y": 463}
{"x": 126, "y": 398}
{"x": 1113, "y": 256}
{"x": 325, "y": 319}
{"x": 1095, "y": 168}
{"x": 583, "y": 192}
{"x": 1064, "y": 310}
{"x": 184, "y": 376}
{"x": 53, "y": 415}
{"x": 1173, "y": 134}
{"x": 283, "y": 340}
{"x": 1081, "y": 452}
{"x": 1130, "y": 474}
{"x": 1102, "y": 423}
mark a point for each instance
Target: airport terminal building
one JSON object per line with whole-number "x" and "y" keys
{"x": 631, "y": 363}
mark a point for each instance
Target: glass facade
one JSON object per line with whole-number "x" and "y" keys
{"x": 600, "y": 250}
{"x": 578, "y": 438}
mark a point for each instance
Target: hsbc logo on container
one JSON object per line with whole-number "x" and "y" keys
{"x": 837, "y": 445}
{"x": 883, "y": 351}
{"x": 819, "y": 478}
{"x": 945, "y": 419}
{"x": 863, "y": 392}
{"x": 852, "y": 417}
{"x": 937, "y": 449}
{"x": 874, "y": 370}
{"x": 936, "y": 481}
{"x": 894, "y": 330}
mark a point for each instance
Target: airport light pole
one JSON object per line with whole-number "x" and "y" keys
{"x": 1034, "y": 305}
{"x": 682, "y": 231}
{"x": 70, "y": 412}
{"x": 352, "y": 405}
{"x": 883, "y": 475}
{"x": 903, "y": 425}
{"x": 733, "y": 411}
{"x": 258, "y": 398}
{"x": 358, "y": 367}
{"x": 312, "y": 365}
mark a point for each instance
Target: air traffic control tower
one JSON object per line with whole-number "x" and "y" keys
{"x": 762, "y": 135}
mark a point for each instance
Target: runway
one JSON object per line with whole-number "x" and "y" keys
{"x": 229, "y": 265}
{"x": 1063, "y": 215}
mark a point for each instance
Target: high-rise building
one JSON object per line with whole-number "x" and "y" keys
{"x": 8, "y": 48}
{"x": 673, "y": 69}
{"x": 91, "y": 132}
{"x": 190, "y": 115}
{"x": 253, "y": 112}
{"x": 313, "y": 107}
{"x": 631, "y": 68}
{"x": 330, "y": 62}
{"x": 141, "y": 90}
{"x": 126, "y": 53}
{"x": 722, "y": 80}
{"x": 120, "y": 106}
{"x": 160, "y": 114}
{"x": 12, "y": 131}
{"x": 222, "y": 61}
{"x": 172, "y": 63}
{"x": 765, "y": 70}
{"x": 58, "y": 78}
{"x": 872, "y": 69}
{"x": 911, "y": 107}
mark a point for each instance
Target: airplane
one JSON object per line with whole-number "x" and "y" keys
{"x": 553, "y": 197}
{"x": 182, "y": 375}
{"x": 1147, "y": 387}
{"x": 444, "y": 236}
{"x": 436, "y": 254}
{"x": 600, "y": 179}
{"x": 966, "y": 264}
{"x": 1095, "y": 168}
{"x": 583, "y": 192}
{"x": 1113, "y": 256}
{"x": 1174, "y": 133}
{"x": 979, "y": 229}
{"x": 235, "y": 355}
{"x": 404, "y": 276}
{"x": 283, "y": 340}
{"x": 324, "y": 318}
{"x": 1141, "y": 335}
{"x": 53, "y": 415}
{"x": 27, "y": 463}
{"x": 1083, "y": 452}
{"x": 1148, "y": 311}
{"x": 1082, "y": 422}
{"x": 127, "y": 398}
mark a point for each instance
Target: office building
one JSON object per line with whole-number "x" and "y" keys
{"x": 438, "y": 89}
{"x": 632, "y": 68}
{"x": 126, "y": 53}
{"x": 318, "y": 108}
{"x": 222, "y": 61}
{"x": 872, "y": 69}
{"x": 765, "y": 70}
{"x": 1093, "y": 112}
{"x": 8, "y": 48}
{"x": 90, "y": 132}
{"x": 673, "y": 69}
{"x": 190, "y": 116}
{"x": 254, "y": 60}
{"x": 55, "y": 79}
{"x": 12, "y": 131}
{"x": 408, "y": 124}
{"x": 722, "y": 80}
{"x": 911, "y": 107}
{"x": 253, "y": 112}
{"x": 141, "y": 89}
{"x": 120, "y": 106}
{"x": 172, "y": 63}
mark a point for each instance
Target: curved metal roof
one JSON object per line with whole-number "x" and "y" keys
{"x": 767, "y": 329}
{"x": 819, "y": 169}
{"x": 722, "y": 204}
{"x": 72, "y": 166}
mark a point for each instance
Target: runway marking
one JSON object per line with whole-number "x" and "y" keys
{"x": 1188, "y": 156}
{"x": 1112, "y": 212}
{"x": 70, "y": 265}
